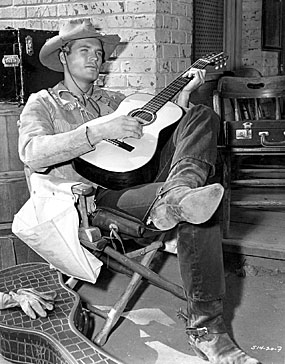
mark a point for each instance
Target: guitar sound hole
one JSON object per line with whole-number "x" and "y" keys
{"x": 145, "y": 117}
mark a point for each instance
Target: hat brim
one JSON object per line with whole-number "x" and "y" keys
{"x": 49, "y": 53}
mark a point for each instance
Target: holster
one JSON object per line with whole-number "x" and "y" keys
{"x": 106, "y": 218}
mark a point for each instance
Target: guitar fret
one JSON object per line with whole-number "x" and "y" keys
{"x": 172, "y": 89}
{"x": 168, "y": 93}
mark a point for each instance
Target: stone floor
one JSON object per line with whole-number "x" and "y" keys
{"x": 151, "y": 333}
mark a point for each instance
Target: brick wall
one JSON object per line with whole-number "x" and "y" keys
{"x": 156, "y": 34}
{"x": 252, "y": 55}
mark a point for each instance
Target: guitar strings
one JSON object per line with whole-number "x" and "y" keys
{"x": 170, "y": 91}
{"x": 162, "y": 97}
{"x": 165, "y": 95}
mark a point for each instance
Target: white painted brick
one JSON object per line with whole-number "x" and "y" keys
{"x": 160, "y": 81}
{"x": 7, "y": 23}
{"x": 170, "y": 22}
{"x": 183, "y": 64}
{"x": 189, "y": 7}
{"x": 163, "y": 6}
{"x": 178, "y": 37}
{"x": 185, "y": 23}
{"x": 189, "y": 37}
{"x": 145, "y": 21}
{"x": 4, "y": 3}
{"x": 163, "y": 35}
{"x": 252, "y": 5}
{"x": 170, "y": 51}
{"x": 159, "y": 50}
{"x": 178, "y": 8}
{"x": 10, "y": 13}
{"x": 140, "y": 82}
{"x": 185, "y": 51}
{"x": 44, "y": 11}
{"x": 154, "y": 32}
{"x": 113, "y": 66}
{"x": 116, "y": 81}
{"x": 140, "y": 6}
{"x": 170, "y": 77}
{"x": 167, "y": 65}
{"x": 143, "y": 66}
{"x": 159, "y": 20}
{"x": 133, "y": 36}
{"x": 119, "y": 21}
{"x": 90, "y": 8}
{"x": 139, "y": 51}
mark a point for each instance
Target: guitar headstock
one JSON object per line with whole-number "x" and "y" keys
{"x": 216, "y": 59}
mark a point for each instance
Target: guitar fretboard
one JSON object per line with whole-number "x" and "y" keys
{"x": 172, "y": 89}
{"x": 146, "y": 114}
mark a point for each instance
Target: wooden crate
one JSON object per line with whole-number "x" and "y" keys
{"x": 13, "y": 251}
{"x": 13, "y": 187}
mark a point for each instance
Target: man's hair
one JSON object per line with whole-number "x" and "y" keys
{"x": 67, "y": 47}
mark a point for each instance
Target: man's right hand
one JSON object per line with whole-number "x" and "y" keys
{"x": 121, "y": 127}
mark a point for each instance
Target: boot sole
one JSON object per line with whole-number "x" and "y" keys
{"x": 224, "y": 352}
{"x": 199, "y": 207}
{"x": 195, "y": 208}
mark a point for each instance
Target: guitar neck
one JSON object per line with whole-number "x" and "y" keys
{"x": 158, "y": 101}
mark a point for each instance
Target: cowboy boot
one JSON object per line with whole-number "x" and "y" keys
{"x": 184, "y": 196}
{"x": 208, "y": 336}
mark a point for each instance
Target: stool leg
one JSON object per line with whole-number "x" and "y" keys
{"x": 151, "y": 276}
{"x": 116, "y": 312}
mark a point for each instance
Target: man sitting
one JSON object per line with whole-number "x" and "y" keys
{"x": 52, "y": 133}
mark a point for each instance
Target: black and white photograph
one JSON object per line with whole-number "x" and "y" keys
{"x": 142, "y": 181}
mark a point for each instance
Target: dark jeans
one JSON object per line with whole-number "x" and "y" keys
{"x": 199, "y": 246}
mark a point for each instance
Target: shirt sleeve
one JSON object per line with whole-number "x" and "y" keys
{"x": 40, "y": 147}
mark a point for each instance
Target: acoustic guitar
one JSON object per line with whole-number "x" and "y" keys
{"x": 59, "y": 338}
{"x": 117, "y": 164}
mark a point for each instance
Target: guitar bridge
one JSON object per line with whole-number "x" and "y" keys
{"x": 121, "y": 144}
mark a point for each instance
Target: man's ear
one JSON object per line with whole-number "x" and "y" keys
{"x": 62, "y": 57}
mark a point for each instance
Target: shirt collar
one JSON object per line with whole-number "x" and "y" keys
{"x": 66, "y": 96}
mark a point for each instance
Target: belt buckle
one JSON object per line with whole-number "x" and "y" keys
{"x": 197, "y": 331}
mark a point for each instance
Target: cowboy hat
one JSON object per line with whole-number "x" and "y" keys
{"x": 72, "y": 30}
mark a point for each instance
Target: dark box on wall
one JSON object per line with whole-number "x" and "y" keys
{"x": 21, "y": 72}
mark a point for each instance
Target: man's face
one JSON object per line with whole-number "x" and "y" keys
{"x": 84, "y": 59}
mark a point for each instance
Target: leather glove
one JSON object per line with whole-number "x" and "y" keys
{"x": 31, "y": 301}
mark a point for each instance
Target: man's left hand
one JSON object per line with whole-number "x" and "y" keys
{"x": 196, "y": 79}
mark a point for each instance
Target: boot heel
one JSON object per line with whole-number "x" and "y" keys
{"x": 197, "y": 351}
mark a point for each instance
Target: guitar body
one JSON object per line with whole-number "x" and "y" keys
{"x": 55, "y": 339}
{"x": 113, "y": 167}
{"x": 117, "y": 164}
